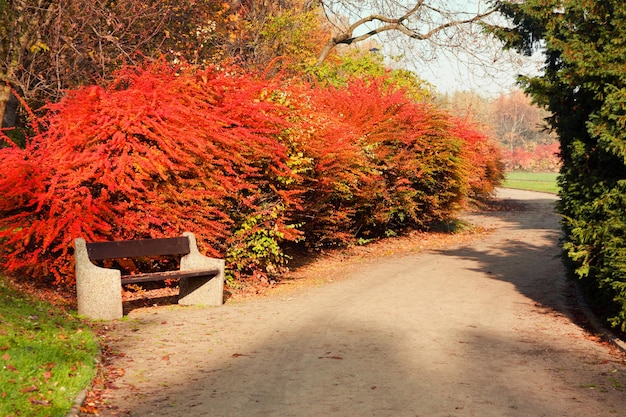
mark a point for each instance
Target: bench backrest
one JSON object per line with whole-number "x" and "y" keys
{"x": 138, "y": 248}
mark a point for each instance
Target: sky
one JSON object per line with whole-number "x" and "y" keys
{"x": 449, "y": 75}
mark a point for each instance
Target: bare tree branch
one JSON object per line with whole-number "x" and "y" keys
{"x": 441, "y": 39}
{"x": 418, "y": 14}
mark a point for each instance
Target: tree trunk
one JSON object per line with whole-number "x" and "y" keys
{"x": 5, "y": 93}
{"x": 326, "y": 51}
{"x": 8, "y": 107}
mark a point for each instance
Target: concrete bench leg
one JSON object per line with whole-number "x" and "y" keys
{"x": 201, "y": 290}
{"x": 98, "y": 290}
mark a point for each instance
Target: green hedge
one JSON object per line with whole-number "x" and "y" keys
{"x": 584, "y": 86}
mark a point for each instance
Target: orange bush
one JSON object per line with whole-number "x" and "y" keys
{"x": 485, "y": 170}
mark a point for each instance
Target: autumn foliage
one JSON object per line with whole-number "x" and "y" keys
{"x": 485, "y": 169}
{"x": 154, "y": 154}
{"x": 542, "y": 158}
{"x": 248, "y": 164}
{"x": 380, "y": 163}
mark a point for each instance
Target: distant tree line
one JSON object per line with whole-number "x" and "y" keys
{"x": 518, "y": 125}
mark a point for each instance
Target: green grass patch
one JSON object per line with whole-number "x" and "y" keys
{"x": 532, "y": 181}
{"x": 46, "y": 356}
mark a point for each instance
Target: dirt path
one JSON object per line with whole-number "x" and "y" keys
{"x": 479, "y": 329}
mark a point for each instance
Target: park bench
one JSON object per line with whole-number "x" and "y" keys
{"x": 99, "y": 289}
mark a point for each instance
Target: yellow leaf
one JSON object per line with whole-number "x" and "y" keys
{"x": 38, "y": 47}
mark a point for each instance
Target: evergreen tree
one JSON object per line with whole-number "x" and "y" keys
{"x": 583, "y": 85}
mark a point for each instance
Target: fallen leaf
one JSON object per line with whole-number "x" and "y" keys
{"x": 6, "y": 357}
{"x": 35, "y": 401}
{"x": 116, "y": 372}
{"x": 89, "y": 409}
{"x": 32, "y": 388}
{"x": 165, "y": 358}
{"x": 236, "y": 355}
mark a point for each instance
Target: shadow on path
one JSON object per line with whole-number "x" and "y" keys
{"x": 343, "y": 368}
{"x": 525, "y": 252}
{"x": 460, "y": 332}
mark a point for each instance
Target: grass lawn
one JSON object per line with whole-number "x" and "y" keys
{"x": 46, "y": 356}
{"x": 532, "y": 181}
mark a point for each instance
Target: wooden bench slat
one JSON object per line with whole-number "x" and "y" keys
{"x": 161, "y": 276}
{"x": 136, "y": 248}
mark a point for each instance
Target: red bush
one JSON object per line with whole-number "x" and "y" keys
{"x": 485, "y": 169}
{"x": 246, "y": 164}
{"x": 380, "y": 162}
{"x": 541, "y": 158}
{"x": 157, "y": 152}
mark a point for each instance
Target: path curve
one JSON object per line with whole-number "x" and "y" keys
{"x": 481, "y": 329}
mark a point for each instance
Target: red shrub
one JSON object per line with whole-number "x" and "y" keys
{"x": 541, "y": 158}
{"x": 380, "y": 162}
{"x": 485, "y": 169}
{"x": 158, "y": 152}
{"x": 238, "y": 161}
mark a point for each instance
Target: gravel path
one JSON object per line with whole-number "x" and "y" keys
{"x": 479, "y": 329}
